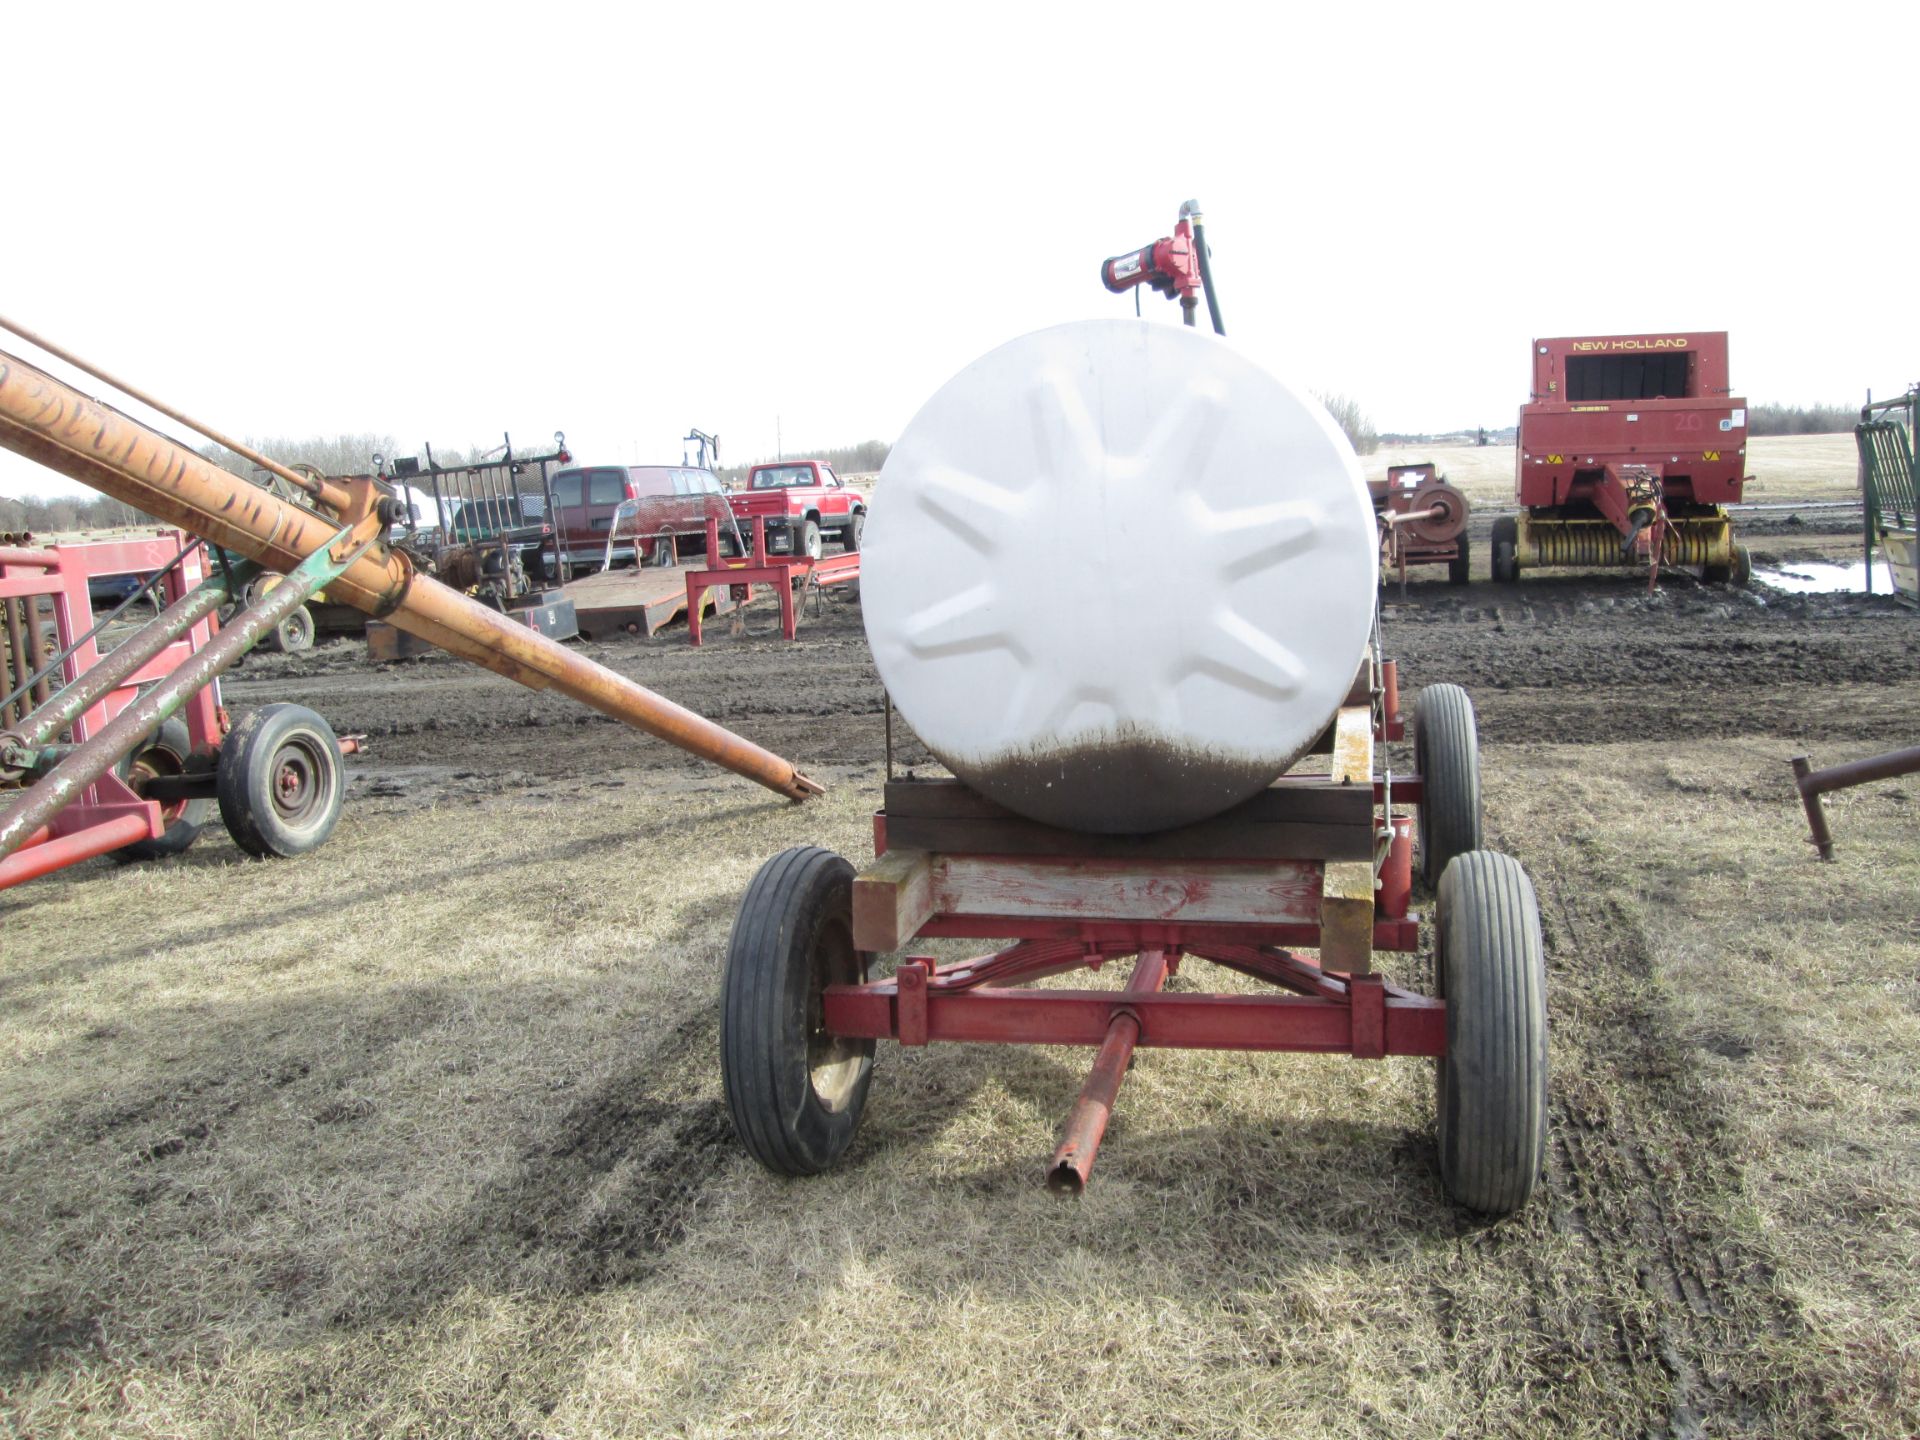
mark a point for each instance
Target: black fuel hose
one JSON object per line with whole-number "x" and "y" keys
{"x": 1206, "y": 275}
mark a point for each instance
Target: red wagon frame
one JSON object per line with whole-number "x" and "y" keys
{"x": 1315, "y": 861}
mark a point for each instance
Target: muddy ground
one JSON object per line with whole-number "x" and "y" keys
{"x": 424, "y": 1135}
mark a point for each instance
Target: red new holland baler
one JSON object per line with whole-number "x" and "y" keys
{"x": 1630, "y": 450}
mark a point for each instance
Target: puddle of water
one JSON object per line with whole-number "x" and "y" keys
{"x": 1820, "y": 577}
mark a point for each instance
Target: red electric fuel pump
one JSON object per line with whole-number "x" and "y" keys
{"x": 1175, "y": 265}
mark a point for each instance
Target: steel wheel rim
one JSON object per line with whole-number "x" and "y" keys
{"x": 833, "y": 1061}
{"x": 143, "y": 769}
{"x": 297, "y": 786}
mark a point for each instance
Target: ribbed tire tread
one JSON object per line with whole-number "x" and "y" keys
{"x": 1446, "y": 748}
{"x": 764, "y": 995}
{"x": 1502, "y": 547}
{"x": 1492, "y": 1082}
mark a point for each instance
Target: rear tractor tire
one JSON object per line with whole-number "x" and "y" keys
{"x": 1491, "y": 1085}
{"x": 795, "y": 1092}
{"x": 165, "y": 752}
{"x": 1446, "y": 751}
{"x": 280, "y": 782}
{"x": 1505, "y": 562}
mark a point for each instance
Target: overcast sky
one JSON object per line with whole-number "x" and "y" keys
{"x": 625, "y": 221}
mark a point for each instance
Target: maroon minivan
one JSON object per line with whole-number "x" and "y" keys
{"x": 667, "y": 502}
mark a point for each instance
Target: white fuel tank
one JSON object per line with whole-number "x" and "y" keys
{"x": 1117, "y": 577}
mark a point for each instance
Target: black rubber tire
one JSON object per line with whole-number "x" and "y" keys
{"x": 1446, "y": 752}
{"x": 850, "y": 537}
{"x": 165, "y": 752}
{"x": 291, "y": 635}
{"x": 810, "y": 545}
{"x": 1459, "y": 569}
{"x": 280, "y": 782}
{"x": 792, "y": 935}
{"x": 1491, "y": 1085}
{"x": 1506, "y": 544}
{"x": 1738, "y": 573}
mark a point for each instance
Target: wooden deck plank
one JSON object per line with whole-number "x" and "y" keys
{"x": 638, "y": 600}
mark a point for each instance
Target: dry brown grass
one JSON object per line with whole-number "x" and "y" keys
{"x": 423, "y": 1135}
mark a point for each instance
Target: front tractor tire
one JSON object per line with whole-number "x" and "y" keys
{"x": 280, "y": 782}
{"x": 1491, "y": 1085}
{"x": 1446, "y": 752}
{"x": 795, "y": 1092}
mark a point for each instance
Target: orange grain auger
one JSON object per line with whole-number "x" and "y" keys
{"x": 341, "y": 530}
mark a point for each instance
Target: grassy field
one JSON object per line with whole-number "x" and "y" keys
{"x": 1783, "y": 467}
{"x": 423, "y": 1135}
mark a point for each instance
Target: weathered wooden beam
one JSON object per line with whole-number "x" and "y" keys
{"x": 1346, "y": 894}
{"x": 892, "y": 899}
{"x": 1192, "y": 891}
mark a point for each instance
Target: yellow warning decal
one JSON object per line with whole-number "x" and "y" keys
{"x": 1709, "y": 454}
{"x": 1556, "y": 459}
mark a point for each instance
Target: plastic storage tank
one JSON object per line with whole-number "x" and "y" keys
{"x": 1117, "y": 577}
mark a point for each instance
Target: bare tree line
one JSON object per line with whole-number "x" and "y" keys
{"x": 862, "y": 459}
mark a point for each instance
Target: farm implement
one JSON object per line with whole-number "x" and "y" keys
{"x": 1423, "y": 521}
{"x": 336, "y": 538}
{"x": 1630, "y": 449}
{"x": 788, "y": 576}
{"x": 1136, "y": 774}
{"x": 147, "y": 744}
{"x": 1890, "y": 488}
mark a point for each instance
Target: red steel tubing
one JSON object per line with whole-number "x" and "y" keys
{"x": 43, "y": 859}
{"x": 1415, "y": 1024}
{"x": 1073, "y": 1161}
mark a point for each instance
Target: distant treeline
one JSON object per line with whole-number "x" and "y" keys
{"x": 52, "y": 514}
{"x": 330, "y": 454}
{"x": 1351, "y": 418}
{"x": 1802, "y": 419}
{"x": 861, "y": 459}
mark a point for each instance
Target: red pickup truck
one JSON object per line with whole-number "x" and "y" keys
{"x": 803, "y": 501}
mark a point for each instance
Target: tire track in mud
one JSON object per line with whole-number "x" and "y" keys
{"x": 1638, "y": 1179}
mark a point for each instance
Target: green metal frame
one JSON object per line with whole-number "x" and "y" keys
{"x": 1889, "y": 483}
